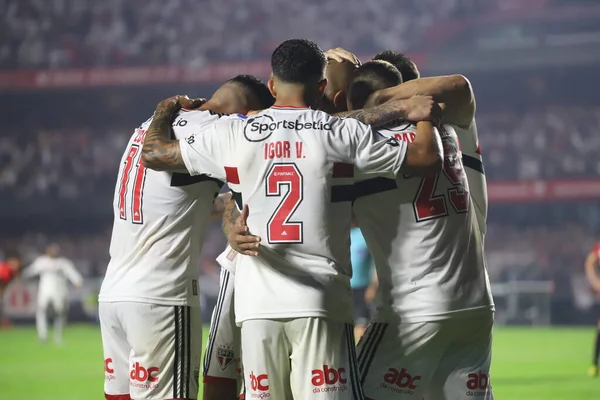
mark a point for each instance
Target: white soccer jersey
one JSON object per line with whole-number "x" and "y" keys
{"x": 160, "y": 219}
{"x": 425, "y": 239}
{"x": 468, "y": 141}
{"x": 295, "y": 170}
{"x": 54, "y": 273}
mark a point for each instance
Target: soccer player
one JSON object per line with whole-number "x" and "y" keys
{"x": 292, "y": 165}
{"x": 149, "y": 305}
{"x": 455, "y": 95}
{"x": 591, "y": 271}
{"x": 54, "y": 271}
{"x": 435, "y": 339}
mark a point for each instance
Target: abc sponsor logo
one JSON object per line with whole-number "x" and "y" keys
{"x": 108, "y": 370}
{"x": 400, "y": 381}
{"x": 259, "y": 385}
{"x": 144, "y": 378}
{"x": 478, "y": 384}
{"x": 329, "y": 379}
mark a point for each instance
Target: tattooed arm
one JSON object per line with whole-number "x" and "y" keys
{"x": 416, "y": 108}
{"x": 453, "y": 92}
{"x": 230, "y": 215}
{"x": 219, "y": 205}
{"x": 160, "y": 152}
{"x": 236, "y": 231}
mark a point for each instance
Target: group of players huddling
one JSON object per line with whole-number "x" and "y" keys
{"x": 325, "y": 138}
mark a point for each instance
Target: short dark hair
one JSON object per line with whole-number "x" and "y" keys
{"x": 405, "y": 65}
{"x": 298, "y": 61}
{"x": 256, "y": 88}
{"x": 370, "y": 77}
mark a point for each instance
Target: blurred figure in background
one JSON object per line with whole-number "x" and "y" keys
{"x": 54, "y": 272}
{"x": 9, "y": 270}
{"x": 591, "y": 271}
{"x": 362, "y": 273}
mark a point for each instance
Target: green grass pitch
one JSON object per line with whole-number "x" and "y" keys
{"x": 528, "y": 364}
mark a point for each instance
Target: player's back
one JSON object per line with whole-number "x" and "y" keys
{"x": 425, "y": 238}
{"x": 160, "y": 219}
{"x": 295, "y": 169}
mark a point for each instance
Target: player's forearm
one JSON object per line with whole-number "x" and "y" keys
{"x": 219, "y": 205}
{"x": 230, "y": 215}
{"x": 424, "y": 156}
{"x": 454, "y": 92}
{"x": 379, "y": 115}
{"x": 160, "y": 152}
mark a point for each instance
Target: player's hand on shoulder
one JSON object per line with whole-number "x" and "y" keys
{"x": 340, "y": 55}
{"x": 239, "y": 237}
{"x": 424, "y": 108}
{"x": 173, "y": 104}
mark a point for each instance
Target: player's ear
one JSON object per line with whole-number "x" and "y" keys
{"x": 271, "y": 85}
{"x": 322, "y": 86}
{"x": 339, "y": 101}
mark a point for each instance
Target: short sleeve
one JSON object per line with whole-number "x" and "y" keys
{"x": 375, "y": 154}
{"x": 204, "y": 152}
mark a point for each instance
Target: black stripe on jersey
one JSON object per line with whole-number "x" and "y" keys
{"x": 473, "y": 163}
{"x": 341, "y": 193}
{"x": 237, "y": 197}
{"x": 373, "y": 186}
{"x": 177, "y": 355}
{"x": 188, "y": 353}
{"x": 365, "y": 358}
{"x": 179, "y": 179}
{"x": 357, "y": 390}
{"x": 215, "y": 321}
{"x": 182, "y": 353}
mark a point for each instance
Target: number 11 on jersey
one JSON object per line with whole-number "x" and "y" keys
{"x": 280, "y": 229}
{"x": 133, "y": 166}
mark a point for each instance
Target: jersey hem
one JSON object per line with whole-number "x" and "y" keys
{"x": 465, "y": 312}
{"x": 147, "y": 300}
{"x": 293, "y": 315}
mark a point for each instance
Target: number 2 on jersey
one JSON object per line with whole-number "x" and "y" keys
{"x": 429, "y": 206}
{"x": 279, "y": 228}
{"x": 133, "y": 165}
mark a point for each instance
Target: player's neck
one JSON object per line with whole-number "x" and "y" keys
{"x": 292, "y": 95}
{"x": 296, "y": 101}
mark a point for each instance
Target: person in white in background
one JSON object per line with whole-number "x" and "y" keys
{"x": 54, "y": 272}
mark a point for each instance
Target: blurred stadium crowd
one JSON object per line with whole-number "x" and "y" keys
{"x": 86, "y": 33}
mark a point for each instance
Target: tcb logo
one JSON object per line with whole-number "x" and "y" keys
{"x": 478, "y": 381}
{"x": 141, "y": 374}
{"x": 108, "y": 366}
{"x": 260, "y": 382}
{"x": 329, "y": 376}
{"x": 401, "y": 378}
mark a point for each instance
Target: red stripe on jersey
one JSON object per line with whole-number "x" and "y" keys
{"x": 478, "y": 151}
{"x": 116, "y": 396}
{"x": 231, "y": 173}
{"x": 343, "y": 170}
